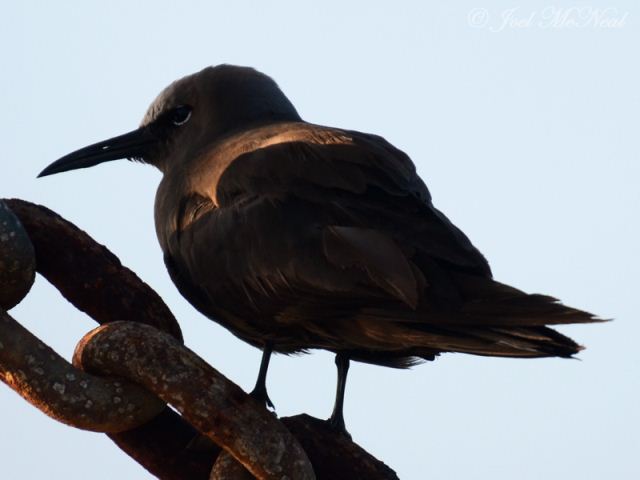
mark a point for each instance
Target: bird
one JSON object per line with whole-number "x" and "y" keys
{"x": 296, "y": 236}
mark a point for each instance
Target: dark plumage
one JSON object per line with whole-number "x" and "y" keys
{"x": 297, "y": 236}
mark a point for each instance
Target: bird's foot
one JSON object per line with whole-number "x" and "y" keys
{"x": 261, "y": 395}
{"x": 336, "y": 423}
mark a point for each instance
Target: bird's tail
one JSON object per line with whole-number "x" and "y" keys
{"x": 493, "y": 319}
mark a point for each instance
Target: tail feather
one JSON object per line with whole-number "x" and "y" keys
{"x": 493, "y": 320}
{"x": 524, "y": 342}
{"x": 494, "y": 303}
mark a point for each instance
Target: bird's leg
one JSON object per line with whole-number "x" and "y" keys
{"x": 337, "y": 417}
{"x": 259, "y": 392}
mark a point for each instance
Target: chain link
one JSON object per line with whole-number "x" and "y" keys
{"x": 127, "y": 370}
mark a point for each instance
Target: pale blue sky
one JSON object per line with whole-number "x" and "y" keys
{"x": 527, "y": 136}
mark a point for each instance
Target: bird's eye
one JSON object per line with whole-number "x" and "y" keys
{"x": 181, "y": 115}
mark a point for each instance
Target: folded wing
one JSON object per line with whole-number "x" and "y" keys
{"x": 330, "y": 237}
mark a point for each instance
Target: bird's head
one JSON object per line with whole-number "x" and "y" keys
{"x": 188, "y": 116}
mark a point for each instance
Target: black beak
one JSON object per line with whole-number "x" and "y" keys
{"x": 134, "y": 144}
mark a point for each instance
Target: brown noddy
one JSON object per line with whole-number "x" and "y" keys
{"x": 297, "y": 236}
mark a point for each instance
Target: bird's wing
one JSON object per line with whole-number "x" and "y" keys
{"x": 361, "y": 183}
{"x": 326, "y": 225}
{"x": 337, "y": 217}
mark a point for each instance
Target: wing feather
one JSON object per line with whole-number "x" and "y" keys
{"x": 329, "y": 238}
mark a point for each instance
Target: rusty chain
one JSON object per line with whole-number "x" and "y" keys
{"x": 127, "y": 370}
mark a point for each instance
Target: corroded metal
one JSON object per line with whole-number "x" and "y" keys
{"x": 169, "y": 448}
{"x": 332, "y": 454}
{"x": 157, "y": 437}
{"x": 88, "y": 274}
{"x": 335, "y": 455}
{"x": 17, "y": 259}
{"x": 228, "y": 468}
{"x": 71, "y": 396}
{"x": 204, "y": 397}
